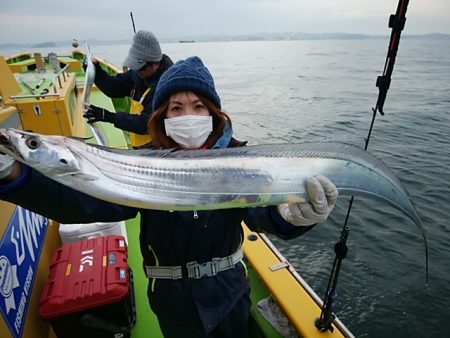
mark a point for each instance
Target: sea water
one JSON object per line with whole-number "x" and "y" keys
{"x": 308, "y": 91}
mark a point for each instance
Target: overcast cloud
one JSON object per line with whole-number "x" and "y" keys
{"x": 48, "y": 20}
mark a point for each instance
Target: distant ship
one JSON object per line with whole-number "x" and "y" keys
{"x": 187, "y": 41}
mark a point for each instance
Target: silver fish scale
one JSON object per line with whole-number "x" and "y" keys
{"x": 330, "y": 150}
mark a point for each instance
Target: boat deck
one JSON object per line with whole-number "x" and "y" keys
{"x": 146, "y": 322}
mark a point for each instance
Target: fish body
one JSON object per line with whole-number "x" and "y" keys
{"x": 206, "y": 180}
{"x": 88, "y": 83}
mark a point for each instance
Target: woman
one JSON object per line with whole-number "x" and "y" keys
{"x": 198, "y": 285}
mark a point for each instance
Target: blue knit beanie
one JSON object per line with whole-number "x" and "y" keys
{"x": 186, "y": 75}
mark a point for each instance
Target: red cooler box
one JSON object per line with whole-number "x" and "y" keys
{"x": 89, "y": 292}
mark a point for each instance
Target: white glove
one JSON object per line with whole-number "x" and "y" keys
{"x": 6, "y": 165}
{"x": 322, "y": 195}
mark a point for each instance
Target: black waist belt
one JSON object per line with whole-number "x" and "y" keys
{"x": 194, "y": 269}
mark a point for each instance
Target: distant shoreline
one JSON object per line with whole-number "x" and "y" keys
{"x": 292, "y": 36}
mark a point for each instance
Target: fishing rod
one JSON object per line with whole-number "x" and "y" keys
{"x": 397, "y": 23}
{"x": 132, "y": 22}
{"x": 125, "y": 68}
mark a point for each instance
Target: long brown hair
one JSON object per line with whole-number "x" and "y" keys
{"x": 158, "y": 131}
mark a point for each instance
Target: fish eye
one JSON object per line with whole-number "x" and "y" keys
{"x": 33, "y": 142}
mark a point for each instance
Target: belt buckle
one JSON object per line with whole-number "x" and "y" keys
{"x": 176, "y": 272}
{"x": 207, "y": 269}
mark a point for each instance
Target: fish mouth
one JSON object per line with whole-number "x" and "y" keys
{"x": 6, "y": 146}
{"x": 4, "y": 140}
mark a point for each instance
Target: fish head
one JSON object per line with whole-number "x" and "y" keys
{"x": 49, "y": 155}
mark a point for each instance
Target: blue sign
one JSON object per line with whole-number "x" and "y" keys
{"x": 20, "y": 250}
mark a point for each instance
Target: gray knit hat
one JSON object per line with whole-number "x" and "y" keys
{"x": 145, "y": 48}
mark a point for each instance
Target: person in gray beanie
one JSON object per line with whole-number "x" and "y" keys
{"x": 197, "y": 277}
{"x": 146, "y": 64}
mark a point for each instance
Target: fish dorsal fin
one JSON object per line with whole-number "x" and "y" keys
{"x": 79, "y": 138}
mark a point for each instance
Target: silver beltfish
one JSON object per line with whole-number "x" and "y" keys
{"x": 88, "y": 83}
{"x": 208, "y": 179}
{"x": 205, "y": 180}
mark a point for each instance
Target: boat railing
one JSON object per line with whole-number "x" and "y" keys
{"x": 63, "y": 72}
{"x": 285, "y": 264}
{"x": 56, "y": 83}
{"x": 31, "y": 96}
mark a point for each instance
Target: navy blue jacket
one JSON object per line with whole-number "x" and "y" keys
{"x": 130, "y": 84}
{"x": 166, "y": 238}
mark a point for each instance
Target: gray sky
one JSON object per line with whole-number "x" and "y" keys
{"x": 50, "y": 20}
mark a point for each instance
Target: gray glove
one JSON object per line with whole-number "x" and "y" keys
{"x": 322, "y": 194}
{"x": 6, "y": 165}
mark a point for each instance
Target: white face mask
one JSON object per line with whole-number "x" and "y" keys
{"x": 189, "y": 131}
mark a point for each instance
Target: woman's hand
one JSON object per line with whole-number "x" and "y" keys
{"x": 6, "y": 166}
{"x": 322, "y": 194}
{"x": 10, "y": 169}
